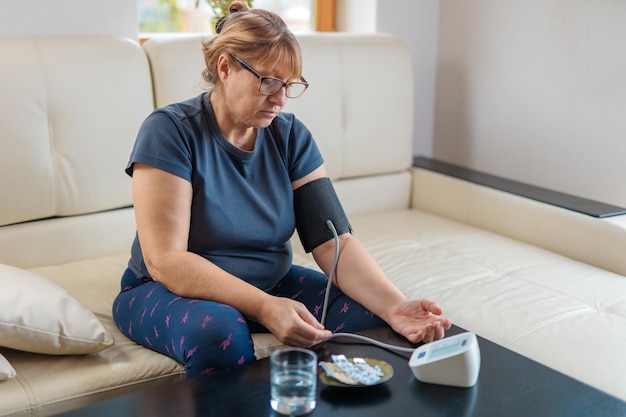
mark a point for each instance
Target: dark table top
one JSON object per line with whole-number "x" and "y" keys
{"x": 509, "y": 385}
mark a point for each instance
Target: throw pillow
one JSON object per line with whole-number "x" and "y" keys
{"x": 40, "y": 316}
{"x": 6, "y": 370}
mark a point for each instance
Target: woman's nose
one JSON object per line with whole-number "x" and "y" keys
{"x": 280, "y": 97}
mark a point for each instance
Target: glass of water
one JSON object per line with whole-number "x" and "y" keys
{"x": 293, "y": 379}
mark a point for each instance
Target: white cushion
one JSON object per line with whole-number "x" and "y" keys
{"x": 6, "y": 370}
{"x": 76, "y": 105}
{"x": 38, "y": 315}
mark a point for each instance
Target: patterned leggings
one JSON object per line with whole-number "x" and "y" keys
{"x": 205, "y": 335}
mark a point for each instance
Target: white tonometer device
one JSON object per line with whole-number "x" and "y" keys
{"x": 453, "y": 361}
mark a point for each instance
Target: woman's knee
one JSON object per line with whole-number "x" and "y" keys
{"x": 202, "y": 335}
{"x": 216, "y": 341}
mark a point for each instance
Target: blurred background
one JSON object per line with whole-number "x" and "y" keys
{"x": 158, "y": 16}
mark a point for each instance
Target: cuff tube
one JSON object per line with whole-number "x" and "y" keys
{"x": 314, "y": 204}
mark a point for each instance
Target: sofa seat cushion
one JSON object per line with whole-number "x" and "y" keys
{"x": 527, "y": 299}
{"x": 83, "y": 379}
{"x": 532, "y": 301}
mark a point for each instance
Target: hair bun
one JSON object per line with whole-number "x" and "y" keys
{"x": 237, "y": 6}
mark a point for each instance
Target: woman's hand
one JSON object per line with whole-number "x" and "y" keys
{"x": 418, "y": 320}
{"x": 292, "y": 323}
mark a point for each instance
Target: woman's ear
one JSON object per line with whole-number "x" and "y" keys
{"x": 223, "y": 67}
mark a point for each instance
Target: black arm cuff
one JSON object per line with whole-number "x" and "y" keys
{"x": 314, "y": 203}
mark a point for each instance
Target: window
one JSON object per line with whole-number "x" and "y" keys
{"x": 156, "y": 16}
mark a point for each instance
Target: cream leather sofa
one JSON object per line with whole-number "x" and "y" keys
{"x": 544, "y": 281}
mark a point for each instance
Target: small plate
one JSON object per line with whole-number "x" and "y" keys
{"x": 384, "y": 366}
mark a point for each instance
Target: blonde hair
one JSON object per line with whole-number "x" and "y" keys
{"x": 256, "y": 36}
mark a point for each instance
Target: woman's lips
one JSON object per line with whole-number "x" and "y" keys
{"x": 269, "y": 113}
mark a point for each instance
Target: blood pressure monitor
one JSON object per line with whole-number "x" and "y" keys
{"x": 453, "y": 361}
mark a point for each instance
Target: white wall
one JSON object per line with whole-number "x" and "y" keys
{"x": 535, "y": 90}
{"x": 416, "y": 22}
{"x": 68, "y": 18}
{"x": 356, "y": 16}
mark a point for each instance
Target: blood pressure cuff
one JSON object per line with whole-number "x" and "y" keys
{"x": 314, "y": 204}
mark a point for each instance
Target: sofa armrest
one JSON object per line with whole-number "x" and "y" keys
{"x": 595, "y": 240}
{"x": 568, "y": 201}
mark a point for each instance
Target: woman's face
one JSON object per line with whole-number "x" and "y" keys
{"x": 246, "y": 104}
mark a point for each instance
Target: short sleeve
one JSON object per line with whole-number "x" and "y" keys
{"x": 301, "y": 154}
{"x": 163, "y": 142}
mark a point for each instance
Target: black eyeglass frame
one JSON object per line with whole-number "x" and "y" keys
{"x": 262, "y": 78}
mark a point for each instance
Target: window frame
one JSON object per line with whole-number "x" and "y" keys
{"x": 325, "y": 11}
{"x": 324, "y": 21}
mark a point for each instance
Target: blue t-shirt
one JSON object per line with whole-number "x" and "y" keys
{"x": 242, "y": 207}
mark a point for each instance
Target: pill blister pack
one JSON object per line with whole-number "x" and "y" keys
{"x": 355, "y": 371}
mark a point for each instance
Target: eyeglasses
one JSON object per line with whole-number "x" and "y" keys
{"x": 269, "y": 85}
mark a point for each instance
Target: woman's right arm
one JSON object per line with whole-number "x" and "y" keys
{"x": 162, "y": 203}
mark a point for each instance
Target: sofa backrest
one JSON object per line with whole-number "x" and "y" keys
{"x": 70, "y": 109}
{"x": 359, "y": 107}
{"x": 69, "y": 112}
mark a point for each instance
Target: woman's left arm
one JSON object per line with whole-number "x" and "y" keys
{"x": 360, "y": 277}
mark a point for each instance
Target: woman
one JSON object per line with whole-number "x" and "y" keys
{"x": 219, "y": 183}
